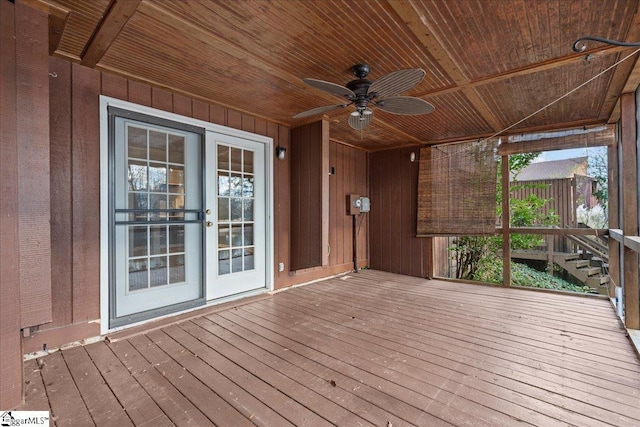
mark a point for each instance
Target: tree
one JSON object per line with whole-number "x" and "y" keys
{"x": 598, "y": 169}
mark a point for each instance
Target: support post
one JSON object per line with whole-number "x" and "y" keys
{"x": 506, "y": 237}
{"x": 355, "y": 244}
{"x": 550, "y": 248}
{"x": 629, "y": 190}
{"x": 613, "y": 215}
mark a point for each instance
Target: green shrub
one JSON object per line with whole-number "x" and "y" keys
{"x": 490, "y": 271}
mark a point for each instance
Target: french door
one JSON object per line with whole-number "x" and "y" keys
{"x": 187, "y": 217}
{"x": 157, "y": 242}
{"x": 236, "y": 215}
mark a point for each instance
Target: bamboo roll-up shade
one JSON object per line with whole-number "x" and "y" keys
{"x": 457, "y": 189}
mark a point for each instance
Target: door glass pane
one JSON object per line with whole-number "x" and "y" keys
{"x": 236, "y": 236}
{"x": 248, "y": 161}
{"x": 157, "y": 146}
{"x": 223, "y": 209}
{"x": 137, "y": 175}
{"x": 176, "y": 238}
{"x": 176, "y": 269}
{"x": 248, "y": 259}
{"x": 236, "y": 159}
{"x": 137, "y": 241}
{"x": 236, "y": 209}
{"x": 157, "y": 177}
{"x": 136, "y": 142}
{"x": 223, "y": 262}
{"x": 176, "y": 149}
{"x": 138, "y": 274}
{"x": 158, "y": 201}
{"x": 223, "y": 158}
{"x": 247, "y": 187}
{"x": 158, "y": 239}
{"x": 176, "y": 179}
{"x": 248, "y": 234}
{"x": 223, "y": 237}
{"x": 235, "y": 185}
{"x": 223, "y": 184}
{"x": 248, "y": 210}
{"x": 158, "y": 273}
{"x": 236, "y": 260}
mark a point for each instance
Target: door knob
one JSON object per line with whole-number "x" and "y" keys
{"x": 209, "y": 223}
{"x": 208, "y": 211}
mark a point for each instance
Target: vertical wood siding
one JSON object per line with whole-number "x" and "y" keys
{"x": 32, "y": 84}
{"x": 393, "y": 179}
{"x": 10, "y": 354}
{"x": 306, "y": 196}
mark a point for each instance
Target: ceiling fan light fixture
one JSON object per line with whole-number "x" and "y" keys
{"x": 382, "y": 93}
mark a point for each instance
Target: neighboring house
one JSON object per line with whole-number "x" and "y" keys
{"x": 565, "y": 184}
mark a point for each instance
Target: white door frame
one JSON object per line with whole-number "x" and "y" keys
{"x": 106, "y": 102}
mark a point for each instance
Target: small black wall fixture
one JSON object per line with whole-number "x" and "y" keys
{"x": 281, "y": 152}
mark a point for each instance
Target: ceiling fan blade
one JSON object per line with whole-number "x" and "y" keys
{"x": 397, "y": 82}
{"x": 318, "y": 110}
{"x": 405, "y": 105}
{"x": 332, "y": 88}
{"x": 361, "y": 121}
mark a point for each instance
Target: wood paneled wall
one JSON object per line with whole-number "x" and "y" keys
{"x": 309, "y": 156}
{"x": 393, "y": 179}
{"x": 75, "y": 190}
{"x": 10, "y": 354}
{"x": 25, "y": 280}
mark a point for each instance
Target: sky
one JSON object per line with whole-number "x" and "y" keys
{"x": 564, "y": 154}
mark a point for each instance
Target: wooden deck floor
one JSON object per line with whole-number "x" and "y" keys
{"x": 366, "y": 349}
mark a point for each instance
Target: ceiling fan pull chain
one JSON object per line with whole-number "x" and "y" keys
{"x": 580, "y": 45}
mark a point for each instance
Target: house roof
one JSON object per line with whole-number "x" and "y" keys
{"x": 554, "y": 169}
{"x": 489, "y": 64}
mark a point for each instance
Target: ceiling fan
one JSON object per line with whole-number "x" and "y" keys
{"x": 382, "y": 93}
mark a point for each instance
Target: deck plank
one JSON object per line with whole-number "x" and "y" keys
{"x": 462, "y": 323}
{"x": 439, "y": 332}
{"x": 177, "y": 407}
{"x": 573, "y": 409}
{"x": 247, "y": 342}
{"x": 371, "y": 348}
{"x": 136, "y": 402}
{"x": 212, "y": 405}
{"x": 35, "y": 395}
{"x": 67, "y": 405}
{"x": 330, "y": 369}
{"x": 324, "y": 411}
{"x": 450, "y": 405}
{"x": 100, "y": 400}
{"x": 200, "y": 360}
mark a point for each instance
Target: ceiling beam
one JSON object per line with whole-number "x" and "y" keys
{"x": 56, "y": 28}
{"x": 114, "y": 20}
{"x": 529, "y": 69}
{"x": 623, "y": 74}
{"x": 47, "y": 7}
{"x": 429, "y": 39}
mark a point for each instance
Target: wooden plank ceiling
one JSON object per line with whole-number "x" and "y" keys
{"x": 488, "y": 63}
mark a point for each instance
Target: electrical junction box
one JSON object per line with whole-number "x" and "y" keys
{"x": 365, "y": 205}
